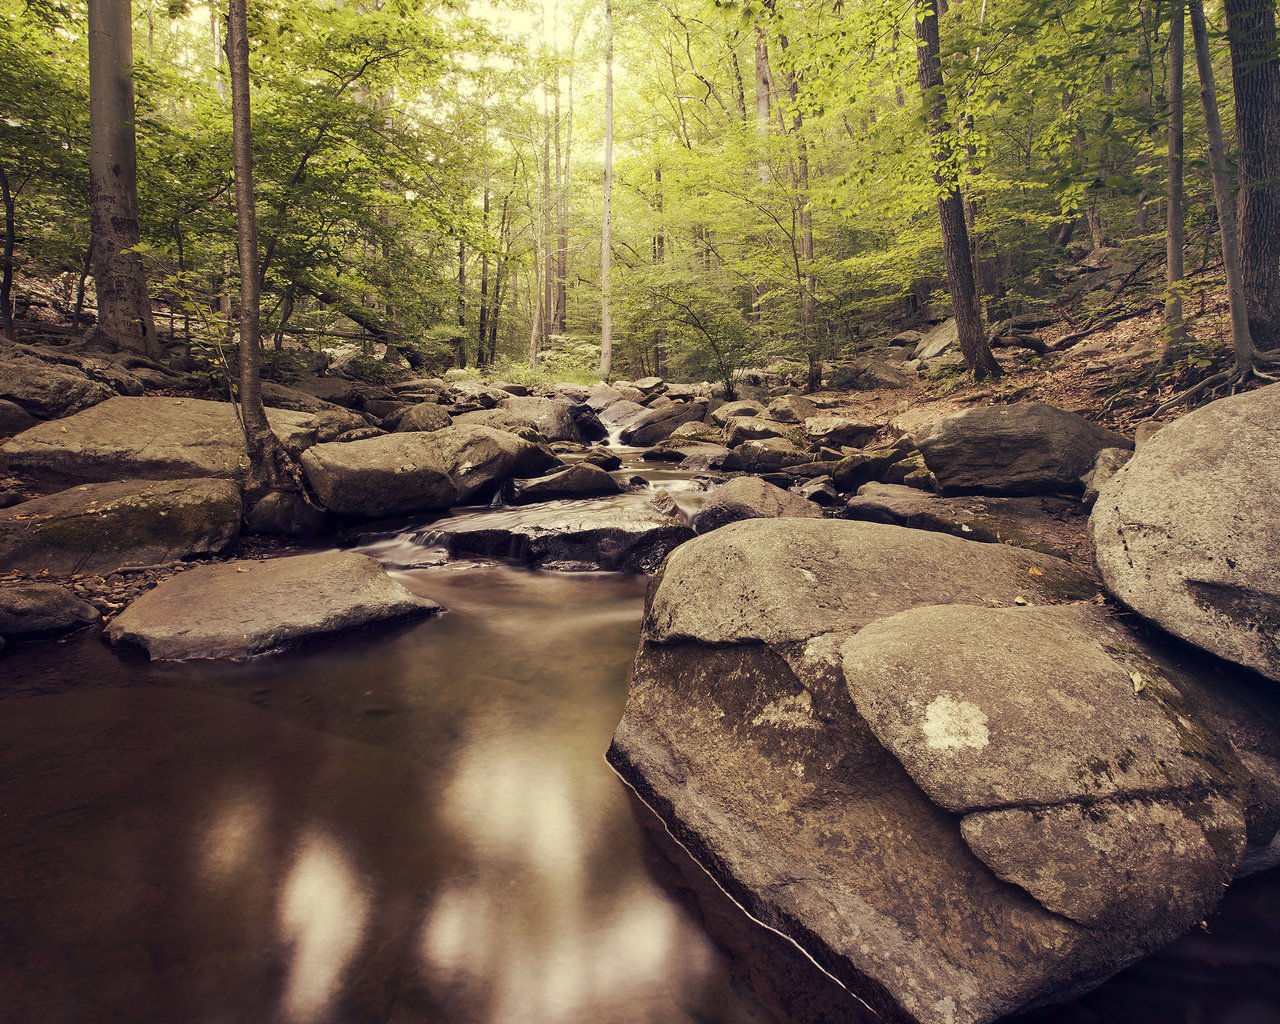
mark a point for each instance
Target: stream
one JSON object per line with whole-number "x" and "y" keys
{"x": 416, "y": 823}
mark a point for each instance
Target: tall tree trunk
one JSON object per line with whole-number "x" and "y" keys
{"x": 1241, "y": 341}
{"x": 6, "y": 262}
{"x": 270, "y": 467}
{"x": 1175, "y": 234}
{"x": 1255, "y": 66}
{"x": 955, "y": 236}
{"x": 764, "y": 90}
{"x": 549, "y": 230}
{"x": 606, "y": 232}
{"x": 483, "y": 325}
{"x": 124, "y": 307}
{"x": 460, "y": 342}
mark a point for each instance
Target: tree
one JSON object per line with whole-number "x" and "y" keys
{"x": 1255, "y": 67}
{"x": 1175, "y": 233}
{"x": 955, "y": 234}
{"x": 124, "y": 306}
{"x": 606, "y": 230}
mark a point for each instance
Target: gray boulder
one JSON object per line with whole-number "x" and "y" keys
{"x": 749, "y": 497}
{"x": 1013, "y": 449}
{"x": 42, "y": 611}
{"x": 480, "y": 460}
{"x": 724, "y": 413}
{"x": 622, "y": 413}
{"x": 500, "y": 419}
{"x": 1105, "y": 466}
{"x": 866, "y": 373}
{"x": 424, "y": 417}
{"x": 838, "y": 431}
{"x": 937, "y": 340}
{"x": 14, "y": 419}
{"x": 566, "y": 536}
{"x": 657, "y": 424}
{"x": 582, "y": 480}
{"x": 144, "y": 438}
{"x": 791, "y": 409}
{"x": 391, "y": 475}
{"x": 98, "y": 528}
{"x": 552, "y": 419}
{"x": 767, "y": 455}
{"x": 240, "y": 609}
{"x": 650, "y": 386}
{"x": 48, "y": 390}
{"x": 754, "y": 428}
{"x": 1185, "y": 533}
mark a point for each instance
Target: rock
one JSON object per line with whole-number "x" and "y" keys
{"x": 650, "y": 386}
{"x": 748, "y": 497}
{"x": 552, "y": 419}
{"x": 766, "y": 455}
{"x": 361, "y": 434}
{"x": 519, "y": 390}
{"x": 603, "y": 458}
{"x": 937, "y": 340}
{"x": 906, "y": 339}
{"x": 792, "y": 409}
{"x": 602, "y": 396}
{"x": 867, "y": 374}
{"x": 501, "y": 419}
{"x": 703, "y": 432}
{"x": 14, "y": 419}
{"x": 1185, "y": 535}
{"x": 386, "y": 410}
{"x": 928, "y": 799}
{"x": 622, "y": 412}
{"x": 481, "y": 460}
{"x": 701, "y": 457}
{"x": 587, "y": 423}
{"x": 821, "y": 491}
{"x": 859, "y": 468}
{"x": 337, "y": 390}
{"x": 332, "y": 423}
{"x": 391, "y": 475}
{"x": 98, "y": 528}
{"x": 48, "y": 390}
{"x": 474, "y": 393}
{"x": 239, "y": 609}
{"x": 657, "y": 424}
{"x": 1105, "y": 466}
{"x": 838, "y": 431}
{"x": 424, "y": 418}
{"x": 286, "y": 514}
{"x": 912, "y": 471}
{"x": 144, "y": 438}
{"x": 753, "y": 428}
{"x": 1014, "y": 449}
{"x": 567, "y": 535}
{"x": 724, "y": 413}
{"x": 42, "y": 611}
{"x": 1050, "y": 525}
{"x": 579, "y": 481}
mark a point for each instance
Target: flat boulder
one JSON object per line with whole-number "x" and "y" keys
{"x": 744, "y": 407}
{"x": 749, "y": 497}
{"x": 241, "y": 609}
{"x": 14, "y": 419}
{"x": 390, "y": 475}
{"x": 99, "y": 528}
{"x": 582, "y": 480}
{"x": 42, "y": 611}
{"x": 144, "y": 438}
{"x": 754, "y": 428}
{"x": 500, "y": 419}
{"x": 425, "y": 417}
{"x": 656, "y": 425}
{"x": 552, "y": 419}
{"x": 791, "y": 409}
{"x": 937, "y": 340}
{"x": 838, "y": 431}
{"x": 767, "y": 455}
{"x": 1184, "y": 533}
{"x": 567, "y": 535}
{"x": 49, "y": 390}
{"x": 1030, "y": 448}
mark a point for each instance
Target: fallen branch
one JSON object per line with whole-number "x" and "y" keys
{"x": 1068, "y": 340}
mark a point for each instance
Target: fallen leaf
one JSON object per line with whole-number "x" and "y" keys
{"x": 1034, "y": 570}
{"x": 1139, "y": 684}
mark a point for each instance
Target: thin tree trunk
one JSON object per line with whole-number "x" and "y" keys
{"x": 270, "y": 467}
{"x": 86, "y": 263}
{"x": 606, "y": 233}
{"x": 1255, "y": 65}
{"x": 483, "y": 325}
{"x": 124, "y": 307}
{"x": 6, "y": 267}
{"x": 955, "y": 236}
{"x": 460, "y": 343}
{"x": 1175, "y": 235}
{"x": 1241, "y": 341}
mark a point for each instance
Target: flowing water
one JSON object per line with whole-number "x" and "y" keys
{"x": 411, "y": 824}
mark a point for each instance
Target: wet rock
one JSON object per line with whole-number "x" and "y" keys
{"x": 1105, "y": 466}
{"x": 14, "y": 419}
{"x": 552, "y": 419}
{"x": 144, "y": 438}
{"x": 570, "y": 534}
{"x": 392, "y": 475}
{"x": 603, "y": 458}
{"x": 1015, "y": 449}
{"x": 42, "y": 611}
{"x": 48, "y": 390}
{"x": 423, "y": 417}
{"x": 838, "y": 431}
{"x": 1051, "y": 525}
{"x": 791, "y": 409}
{"x": 588, "y": 424}
{"x": 579, "y": 481}
{"x": 101, "y": 527}
{"x": 656, "y": 425}
{"x": 748, "y": 497}
{"x": 1185, "y": 532}
{"x": 240, "y": 609}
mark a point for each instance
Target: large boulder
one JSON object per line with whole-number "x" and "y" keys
{"x": 48, "y": 390}
{"x": 744, "y": 407}
{"x": 960, "y": 808}
{"x": 1031, "y": 448}
{"x": 749, "y": 497}
{"x": 144, "y": 438}
{"x": 582, "y": 480}
{"x": 792, "y": 409}
{"x": 239, "y": 609}
{"x": 42, "y": 611}
{"x": 767, "y": 455}
{"x": 754, "y": 428}
{"x": 391, "y": 475}
{"x": 656, "y": 425}
{"x": 480, "y": 459}
{"x": 567, "y": 536}
{"x": 838, "y": 431}
{"x": 14, "y": 419}
{"x": 937, "y": 340}
{"x": 500, "y": 419}
{"x": 552, "y": 419}
{"x": 425, "y": 417}
{"x": 1185, "y": 532}
{"x": 99, "y": 528}
{"x": 866, "y": 373}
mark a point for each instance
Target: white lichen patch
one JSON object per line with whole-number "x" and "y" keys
{"x": 793, "y": 712}
{"x": 951, "y": 724}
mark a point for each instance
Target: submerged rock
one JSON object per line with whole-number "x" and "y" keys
{"x": 1185, "y": 533}
{"x": 42, "y": 611}
{"x": 960, "y": 811}
{"x": 239, "y": 609}
{"x": 576, "y": 535}
{"x": 98, "y": 528}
